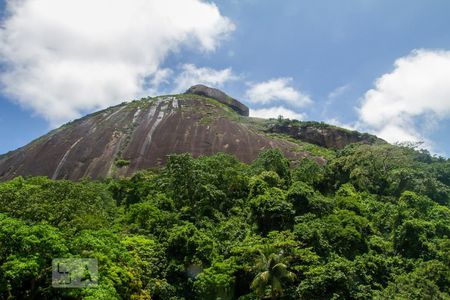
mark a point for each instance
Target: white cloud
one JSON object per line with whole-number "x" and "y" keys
{"x": 278, "y": 89}
{"x": 161, "y": 76}
{"x": 339, "y": 91}
{"x": 274, "y": 112}
{"x": 336, "y": 122}
{"x": 403, "y": 101}
{"x": 191, "y": 75}
{"x": 65, "y": 57}
{"x": 333, "y": 97}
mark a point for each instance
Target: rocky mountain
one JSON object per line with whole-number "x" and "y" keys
{"x": 123, "y": 139}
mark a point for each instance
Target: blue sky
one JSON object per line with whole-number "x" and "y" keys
{"x": 317, "y": 59}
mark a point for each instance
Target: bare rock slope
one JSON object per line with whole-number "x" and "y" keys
{"x": 140, "y": 134}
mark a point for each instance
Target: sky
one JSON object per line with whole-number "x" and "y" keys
{"x": 377, "y": 66}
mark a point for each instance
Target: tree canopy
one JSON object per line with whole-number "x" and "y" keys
{"x": 373, "y": 222}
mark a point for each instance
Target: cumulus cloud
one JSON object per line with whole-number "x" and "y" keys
{"x": 66, "y": 57}
{"x": 278, "y": 89}
{"x": 275, "y": 112}
{"x": 190, "y": 75}
{"x": 403, "y": 101}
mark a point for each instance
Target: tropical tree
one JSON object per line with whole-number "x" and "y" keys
{"x": 271, "y": 211}
{"x": 272, "y": 160}
{"x": 272, "y": 274}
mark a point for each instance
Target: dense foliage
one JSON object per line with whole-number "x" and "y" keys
{"x": 373, "y": 223}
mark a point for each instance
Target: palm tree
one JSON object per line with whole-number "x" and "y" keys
{"x": 272, "y": 274}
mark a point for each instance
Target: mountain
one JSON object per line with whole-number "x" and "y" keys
{"x": 123, "y": 139}
{"x": 369, "y": 221}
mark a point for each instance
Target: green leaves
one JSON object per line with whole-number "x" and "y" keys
{"x": 305, "y": 200}
{"x": 333, "y": 280}
{"x": 373, "y": 223}
{"x": 430, "y": 280}
{"x": 272, "y": 274}
{"x": 343, "y": 232}
{"x": 309, "y": 171}
{"x": 65, "y": 204}
{"x": 411, "y": 238}
{"x": 272, "y": 160}
{"x": 271, "y": 211}
{"x": 26, "y": 252}
{"x": 216, "y": 282}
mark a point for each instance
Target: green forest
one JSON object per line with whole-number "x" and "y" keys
{"x": 371, "y": 223}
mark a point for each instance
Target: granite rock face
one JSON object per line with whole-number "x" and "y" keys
{"x": 129, "y": 137}
{"x": 139, "y": 135}
{"x": 220, "y": 96}
{"x": 324, "y": 135}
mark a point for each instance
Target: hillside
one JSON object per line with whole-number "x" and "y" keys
{"x": 140, "y": 134}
